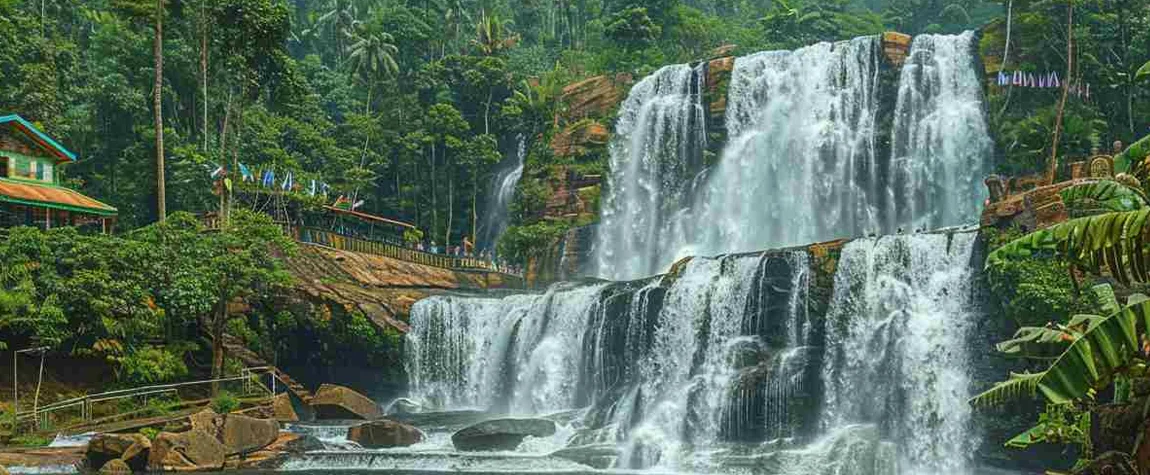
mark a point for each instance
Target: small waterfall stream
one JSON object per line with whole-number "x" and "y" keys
{"x": 497, "y": 212}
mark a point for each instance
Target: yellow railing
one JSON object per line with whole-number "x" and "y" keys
{"x": 394, "y": 251}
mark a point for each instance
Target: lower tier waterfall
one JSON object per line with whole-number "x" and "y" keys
{"x": 765, "y": 362}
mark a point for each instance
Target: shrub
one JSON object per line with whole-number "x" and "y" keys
{"x": 225, "y": 402}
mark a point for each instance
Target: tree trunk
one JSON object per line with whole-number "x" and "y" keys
{"x": 204, "y": 72}
{"x": 474, "y": 215}
{"x": 219, "y": 321}
{"x": 1052, "y": 165}
{"x": 450, "y": 206}
{"x": 434, "y": 192}
{"x": 487, "y": 112}
{"x": 157, "y": 103}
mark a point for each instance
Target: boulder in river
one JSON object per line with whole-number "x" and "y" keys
{"x": 599, "y": 456}
{"x": 115, "y": 467}
{"x": 192, "y": 451}
{"x": 106, "y": 447}
{"x": 283, "y": 409}
{"x": 501, "y": 434}
{"x": 338, "y": 402}
{"x": 137, "y": 455}
{"x": 383, "y": 434}
{"x": 243, "y": 434}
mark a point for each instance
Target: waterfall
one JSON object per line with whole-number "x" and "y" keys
{"x": 655, "y": 152}
{"x": 940, "y": 141}
{"x": 804, "y": 160}
{"x": 722, "y": 360}
{"x": 900, "y": 314}
{"x": 658, "y": 363}
{"x": 459, "y": 350}
{"x": 498, "y": 207}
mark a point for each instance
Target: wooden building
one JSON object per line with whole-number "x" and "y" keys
{"x": 30, "y": 191}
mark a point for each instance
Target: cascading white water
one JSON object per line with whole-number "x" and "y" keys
{"x": 940, "y": 143}
{"x": 901, "y": 310}
{"x": 495, "y": 217}
{"x": 803, "y": 162}
{"x": 799, "y": 166}
{"x": 719, "y": 361}
{"x": 656, "y": 150}
{"x": 459, "y": 348}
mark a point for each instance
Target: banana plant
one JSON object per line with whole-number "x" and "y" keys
{"x": 1099, "y": 349}
{"x": 1113, "y": 242}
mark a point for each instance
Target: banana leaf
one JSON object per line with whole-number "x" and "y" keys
{"x": 1111, "y": 241}
{"x": 1104, "y": 195}
{"x": 1107, "y": 346}
{"x": 1135, "y": 156}
{"x": 1091, "y": 361}
{"x": 1033, "y": 435}
{"x": 1032, "y": 340}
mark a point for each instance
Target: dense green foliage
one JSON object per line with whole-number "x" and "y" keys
{"x": 406, "y": 104}
{"x": 117, "y": 297}
{"x": 1111, "y": 41}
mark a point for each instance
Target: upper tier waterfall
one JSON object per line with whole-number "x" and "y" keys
{"x": 807, "y": 158}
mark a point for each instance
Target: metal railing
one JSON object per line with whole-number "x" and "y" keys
{"x": 347, "y": 243}
{"x": 249, "y": 378}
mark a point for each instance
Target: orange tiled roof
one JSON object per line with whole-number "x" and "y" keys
{"x": 50, "y": 196}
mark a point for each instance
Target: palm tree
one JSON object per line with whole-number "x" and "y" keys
{"x": 157, "y": 103}
{"x": 371, "y": 58}
{"x": 493, "y": 36}
{"x": 339, "y": 20}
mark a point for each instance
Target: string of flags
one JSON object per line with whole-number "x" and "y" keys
{"x": 268, "y": 180}
{"x": 1040, "y": 81}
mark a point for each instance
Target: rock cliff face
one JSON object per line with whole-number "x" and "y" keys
{"x": 382, "y": 288}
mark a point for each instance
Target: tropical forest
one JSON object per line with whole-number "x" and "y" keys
{"x": 575, "y": 237}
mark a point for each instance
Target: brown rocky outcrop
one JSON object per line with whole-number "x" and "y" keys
{"x": 42, "y": 457}
{"x": 594, "y": 97}
{"x": 115, "y": 467}
{"x": 3, "y": 471}
{"x": 137, "y": 455}
{"x": 283, "y": 409}
{"x": 382, "y": 288}
{"x": 896, "y": 47}
{"x": 384, "y": 434}
{"x": 243, "y": 434}
{"x": 208, "y": 421}
{"x": 192, "y": 451}
{"x": 106, "y": 447}
{"x": 338, "y": 402}
{"x": 580, "y": 138}
{"x": 272, "y": 456}
{"x": 718, "y": 78}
